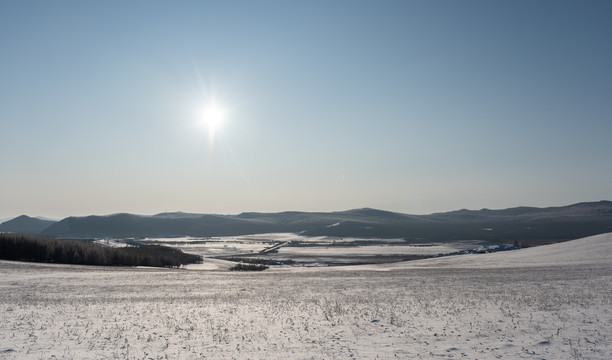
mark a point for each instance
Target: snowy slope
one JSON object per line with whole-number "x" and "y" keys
{"x": 439, "y": 308}
{"x": 593, "y": 250}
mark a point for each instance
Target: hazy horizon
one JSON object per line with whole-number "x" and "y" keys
{"x": 228, "y": 107}
{"x": 287, "y": 210}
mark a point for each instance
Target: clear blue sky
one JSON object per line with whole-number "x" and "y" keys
{"x": 410, "y": 106}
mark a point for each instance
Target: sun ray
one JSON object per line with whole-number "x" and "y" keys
{"x": 212, "y": 117}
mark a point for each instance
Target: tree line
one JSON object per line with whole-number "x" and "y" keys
{"x": 38, "y": 249}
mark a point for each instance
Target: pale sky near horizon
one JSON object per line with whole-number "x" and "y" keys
{"x": 409, "y": 106}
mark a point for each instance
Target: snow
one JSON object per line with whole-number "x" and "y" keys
{"x": 211, "y": 264}
{"x": 371, "y": 250}
{"x": 305, "y": 250}
{"x": 549, "y": 302}
{"x": 593, "y": 250}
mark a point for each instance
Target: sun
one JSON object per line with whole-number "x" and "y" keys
{"x": 213, "y": 117}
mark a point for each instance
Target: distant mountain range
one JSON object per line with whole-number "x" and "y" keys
{"x": 26, "y": 225}
{"x": 515, "y": 224}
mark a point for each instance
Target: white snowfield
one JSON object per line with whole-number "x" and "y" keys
{"x": 549, "y": 302}
{"x": 593, "y": 250}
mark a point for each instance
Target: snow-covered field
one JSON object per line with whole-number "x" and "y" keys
{"x": 549, "y": 302}
{"x": 307, "y": 251}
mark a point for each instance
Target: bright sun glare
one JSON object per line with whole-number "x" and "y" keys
{"x": 213, "y": 116}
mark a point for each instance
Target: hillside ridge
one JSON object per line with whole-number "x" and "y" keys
{"x": 517, "y": 224}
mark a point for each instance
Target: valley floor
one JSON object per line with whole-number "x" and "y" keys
{"x": 547, "y": 312}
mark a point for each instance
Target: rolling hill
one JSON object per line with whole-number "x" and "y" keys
{"x": 595, "y": 251}
{"x": 520, "y": 224}
{"x": 25, "y": 225}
